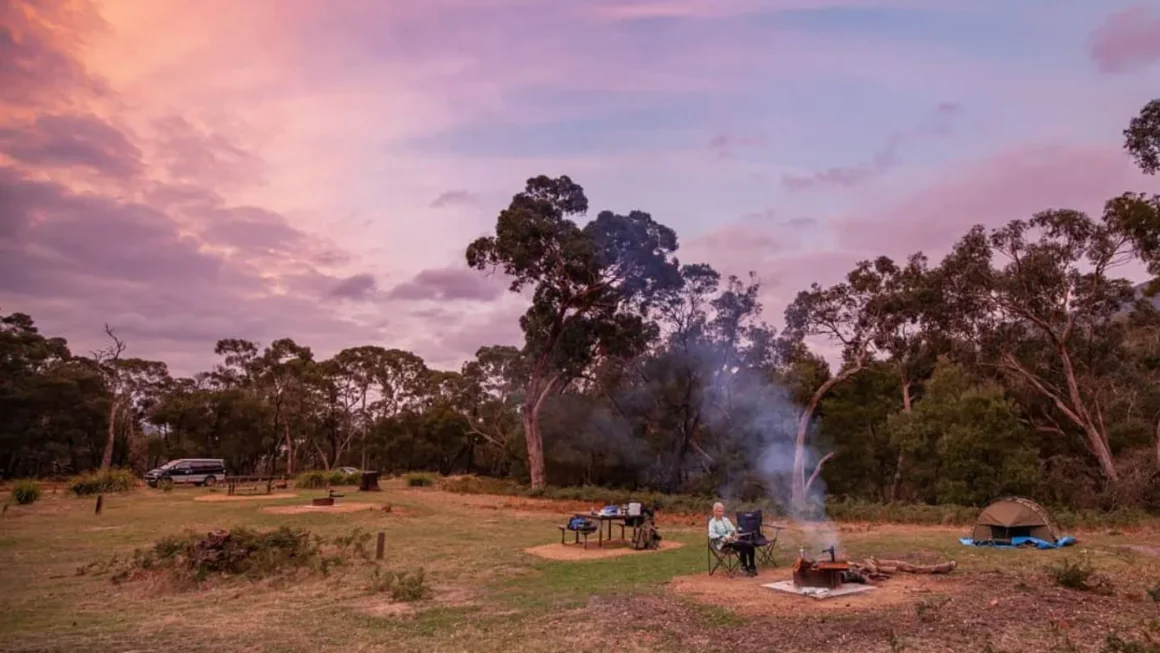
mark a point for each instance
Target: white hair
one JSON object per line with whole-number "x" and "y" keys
{"x": 718, "y": 505}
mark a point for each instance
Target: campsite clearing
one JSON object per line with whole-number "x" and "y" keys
{"x": 490, "y": 595}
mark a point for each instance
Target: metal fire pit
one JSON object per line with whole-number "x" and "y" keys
{"x": 826, "y": 573}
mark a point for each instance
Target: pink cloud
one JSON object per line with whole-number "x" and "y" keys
{"x": 937, "y": 123}
{"x": 1126, "y": 40}
{"x": 1012, "y": 184}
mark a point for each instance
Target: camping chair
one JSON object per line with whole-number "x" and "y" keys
{"x": 726, "y": 559}
{"x": 750, "y": 529}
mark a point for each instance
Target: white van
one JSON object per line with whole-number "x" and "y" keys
{"x": 198, "y": 471}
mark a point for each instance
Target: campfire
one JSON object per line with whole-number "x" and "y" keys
{"x": 827, "y": 574}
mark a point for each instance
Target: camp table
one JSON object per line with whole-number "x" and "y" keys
{"x": 609, "y": 519}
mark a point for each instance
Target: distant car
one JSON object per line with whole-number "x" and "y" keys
{"x": 197, "y": 471}
{"x": 349, "y": 470}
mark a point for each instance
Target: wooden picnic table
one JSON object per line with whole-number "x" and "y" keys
{"x": 609, "y": 519}
{"x": 255, "y": 482}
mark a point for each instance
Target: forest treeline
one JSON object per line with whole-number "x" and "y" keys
{"x": 1020, "y": 363}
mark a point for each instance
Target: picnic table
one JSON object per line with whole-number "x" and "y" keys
{"x": 249, "y": 484}
{"x": 603, "y": 519}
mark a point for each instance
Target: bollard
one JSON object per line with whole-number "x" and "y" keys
{"x": 100, "y": 502}
{"x": 382, "y": 544}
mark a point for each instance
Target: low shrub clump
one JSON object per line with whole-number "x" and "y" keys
{"x": 312, "y": 480}
{"x": 339, "y": 478}
{"x": 401, "y": 585}
{"x": 25, "y": 491}
{"x": 109, "y": 480}
{"x": 239, "y": 552}
{"x": 419, "y": 480}
{"x": 1116, "y": 644}
{"x": 1079, "y": 574}
{"x": 317, "y": 479}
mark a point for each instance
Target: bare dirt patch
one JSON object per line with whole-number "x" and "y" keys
{"x": 746, "y": 595}
{"x": 216, "y": 498}
{"x": 571, "y": 552}
{"x": 338, "y": 507}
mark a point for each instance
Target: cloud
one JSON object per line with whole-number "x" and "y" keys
{"x": 937, "y": 123}
{"x": 38, "y": 66}
{"x": 76, "y": 140}
{"x": 455, "y": 197}
{"x": 194, "y": 154}
{"x": 1012, "y": 184}
{"x": 725, "y": 145}
{"x": 359, "y": 286}
{"x": 1127, "y": 40}
{"x": 448, "y": 284}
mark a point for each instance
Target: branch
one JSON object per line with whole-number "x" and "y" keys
{"x": 817, "y": 470}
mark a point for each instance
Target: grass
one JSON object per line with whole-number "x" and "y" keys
{"x": 477, "y": 590}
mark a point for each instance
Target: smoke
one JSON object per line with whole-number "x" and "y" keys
{"x": 756, "y": 420}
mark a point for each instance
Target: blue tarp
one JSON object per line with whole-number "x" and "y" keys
{"x": 1019, "y": 542}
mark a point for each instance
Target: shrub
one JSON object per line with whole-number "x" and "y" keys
{"x": 109, "y": 480}
{"x": 1078, "y": 574}
{"x": 419, "y": 480}
{"x": 338, "y": 478}
{"x": 312, "y": 480}
{"x": 1155, "y": 593}
{"x": 166, "y": 485}
{"x": 402, "y": 585}
{"x": 1115, "y": 644}
{"x": 25, "y": 491}
{"x": 240, "y": 552}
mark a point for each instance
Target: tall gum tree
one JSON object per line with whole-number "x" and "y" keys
{"x": 856, "y": 314}
{"x": 1038, "y": 299}
{"x": 591, "y": 286}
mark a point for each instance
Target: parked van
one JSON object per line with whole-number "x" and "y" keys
{"x": 198, "y": 471}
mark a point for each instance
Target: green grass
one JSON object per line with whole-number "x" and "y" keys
{"x": 489, "y": 595}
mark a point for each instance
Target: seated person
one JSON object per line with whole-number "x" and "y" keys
{"x": 723, "y": 535}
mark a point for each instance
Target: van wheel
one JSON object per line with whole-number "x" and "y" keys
{"x": 210, "y": 481}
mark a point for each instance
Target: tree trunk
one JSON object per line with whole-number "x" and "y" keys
{"x": 906, "y": 406}
{"x": 107, "y": 456}
{"x": 535, "y": 445}
{"x": 798, "y": 485}
{"x": 289, "y": 448}
{"x": 1158, "y": 443}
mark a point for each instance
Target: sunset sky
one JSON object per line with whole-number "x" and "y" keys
{"x": 189, "y": 170}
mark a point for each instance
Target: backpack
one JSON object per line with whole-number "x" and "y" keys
{"x": 580, "y": 524}
{"x": 646, "y": 536}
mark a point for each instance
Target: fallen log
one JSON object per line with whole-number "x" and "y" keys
{"x": 895, "y": 566}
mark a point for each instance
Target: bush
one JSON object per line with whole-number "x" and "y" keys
{"x": 166, "y": 485}
{"x": 1155, "y": 593}
{"x": 109, "y": 480}
{"x": 1078, "y": 574}
{"x": 1114, "y": 644}
{"x": 25, "y": 491}
{"x": 401, "y": 585}
{"x": 338, "y": 478}
{"x": 419, "y": 480}
{"x": 241, "y": 552}
{"x": 312, "y": 480}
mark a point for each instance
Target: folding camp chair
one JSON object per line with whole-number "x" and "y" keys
{"x": 751, "y": 529}
{"x": 726, "y": 559}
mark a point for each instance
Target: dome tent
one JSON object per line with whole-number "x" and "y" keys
{"x": 1013, "y": 517}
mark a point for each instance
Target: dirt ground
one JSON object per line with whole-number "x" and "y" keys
{"x": 747, "y": 596}
{"x": 216, "y": 498}
{"x": 571, "y": 551}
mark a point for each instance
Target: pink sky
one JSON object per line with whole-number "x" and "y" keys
{"x": 193, "y": 170}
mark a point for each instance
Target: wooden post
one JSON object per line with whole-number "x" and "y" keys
{"x": 382, "y": 544}
{"x": 100, "y": 503}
